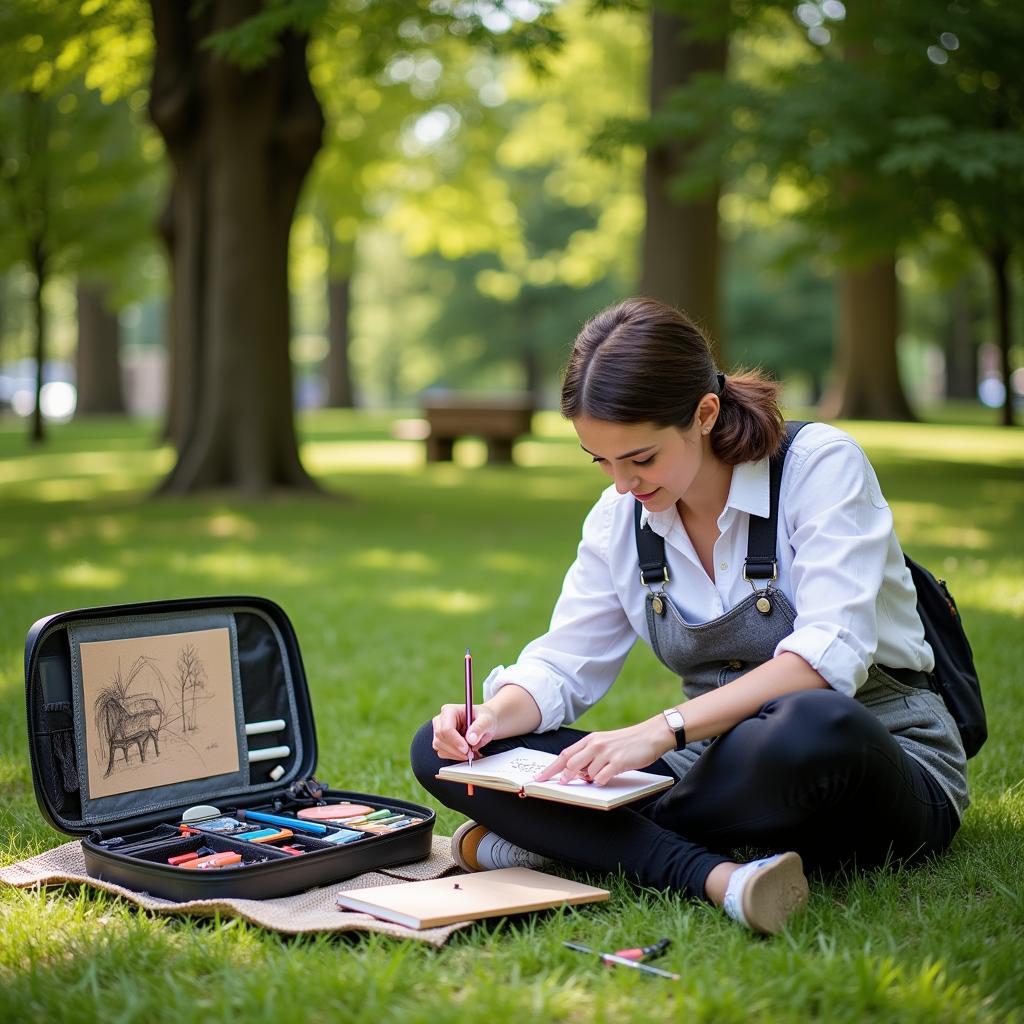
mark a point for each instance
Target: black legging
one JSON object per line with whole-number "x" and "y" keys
{"x": 813, "y": 772}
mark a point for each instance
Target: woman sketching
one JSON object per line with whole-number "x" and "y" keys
{"x": 809, "y": 729}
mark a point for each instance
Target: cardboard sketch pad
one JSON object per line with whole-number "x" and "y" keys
{"x": 158, "y": 710}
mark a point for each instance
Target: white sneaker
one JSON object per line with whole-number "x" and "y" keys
{"x": 765, "y": 893}
{"x": 476, "y": 848}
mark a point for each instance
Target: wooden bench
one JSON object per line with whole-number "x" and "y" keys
{"x": 499, "y": 419}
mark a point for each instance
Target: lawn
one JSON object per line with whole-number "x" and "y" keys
{"x": 386, "y": 583}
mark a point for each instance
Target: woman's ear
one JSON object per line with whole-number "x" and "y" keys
{"x": 707, "y": 412}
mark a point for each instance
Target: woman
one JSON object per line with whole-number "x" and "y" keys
{"x": 810, "y": 728}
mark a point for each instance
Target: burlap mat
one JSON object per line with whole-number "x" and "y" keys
{"x": 312, "y": 911}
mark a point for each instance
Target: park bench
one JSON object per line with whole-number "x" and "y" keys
{"x": 497, "y": 418}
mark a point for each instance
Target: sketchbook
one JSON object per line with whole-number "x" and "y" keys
{"x": 514, "y": 771}
{"x": 439, "y": 901}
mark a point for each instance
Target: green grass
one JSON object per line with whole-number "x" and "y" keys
{"x": 385, "y": 589}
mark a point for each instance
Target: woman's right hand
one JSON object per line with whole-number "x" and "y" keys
{"x": 450, "y": 738}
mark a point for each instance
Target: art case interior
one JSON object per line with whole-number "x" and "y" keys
{"x": 140, "y": 714}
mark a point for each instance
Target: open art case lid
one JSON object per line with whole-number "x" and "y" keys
{"x": 137, "y": 712}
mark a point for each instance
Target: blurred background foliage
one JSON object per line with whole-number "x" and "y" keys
{"x": 480, "y": 190}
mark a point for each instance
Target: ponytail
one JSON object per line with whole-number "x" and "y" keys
{"x": 750, "y": 424}
{"x": 644, "y": 362}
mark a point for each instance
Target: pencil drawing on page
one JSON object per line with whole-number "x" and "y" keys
{"x": 162, "y": 710}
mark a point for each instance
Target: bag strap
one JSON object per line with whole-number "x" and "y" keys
{"x": 760, "y": 563}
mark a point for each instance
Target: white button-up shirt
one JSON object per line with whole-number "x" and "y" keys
{"x": 839, "y": 564}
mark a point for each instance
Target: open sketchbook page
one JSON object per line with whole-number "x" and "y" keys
{"x": 519, "y": 767}
{"x": 516, "y": 770}
{"x": 439, "y": 901}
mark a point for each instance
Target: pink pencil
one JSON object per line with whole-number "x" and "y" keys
{"x": 469, "y": 707}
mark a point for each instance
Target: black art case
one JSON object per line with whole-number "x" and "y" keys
{"x": 140, "y": 713}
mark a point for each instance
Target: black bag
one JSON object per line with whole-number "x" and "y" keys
{"x": 83, "y": 740}
{"x": 954, "y": 676}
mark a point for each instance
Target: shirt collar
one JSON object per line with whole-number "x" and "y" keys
{"x": 748, "y": 492}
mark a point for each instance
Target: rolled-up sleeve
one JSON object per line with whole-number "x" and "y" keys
{"x": 840, "y": 533}
{"x": 574, "y": 663}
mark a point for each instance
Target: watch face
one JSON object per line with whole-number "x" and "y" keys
{"x": 674, "y": 719}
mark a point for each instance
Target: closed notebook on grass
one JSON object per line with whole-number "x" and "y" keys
{"x": 515, "y": 770}
{"x": 441, "y": 901}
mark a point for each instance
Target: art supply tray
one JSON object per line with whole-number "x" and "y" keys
{"x": 172, "y": 732}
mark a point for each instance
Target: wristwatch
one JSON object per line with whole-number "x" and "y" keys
{"x": 677, "y": 724}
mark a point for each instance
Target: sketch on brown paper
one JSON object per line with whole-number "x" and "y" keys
{"x": 160, "y": 709}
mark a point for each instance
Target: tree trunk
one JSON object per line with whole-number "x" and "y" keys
{"x": 867, "y": 385}
{"x": 999, "y": 259}
{"x": 98, "y": 364}
{"x": 241, "y": 143}
{"x": 533, "y": 375}
{"x": 960, "y": 352}
{"x": 681, "y": 249}
{"x": 340, "y": 392}
{"x": 38, "y": 260}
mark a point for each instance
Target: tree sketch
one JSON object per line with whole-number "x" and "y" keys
{"x": 191, "y": 677}
{"x": 123, "y": 720}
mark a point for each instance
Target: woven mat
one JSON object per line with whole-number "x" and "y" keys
{"x": 312, "y": 911}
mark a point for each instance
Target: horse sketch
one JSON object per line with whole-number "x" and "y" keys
{"x": 122, "y": 720}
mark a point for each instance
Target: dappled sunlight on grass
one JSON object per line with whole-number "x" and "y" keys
{"x": 396, "y": 561}
{"x": 509, "y": 562}
{"x": 229, "y": 525}
{"x": 67, "y": 489}
{"x": 533, "y": 454}
{"x": 935, "y": 442}
{"x": 337, "y": 456}
{"x": 434, "y": 599}
{"x": 89, "y": 576}
{"x": 243, "y": 566}
{"x": 112, "y": 467}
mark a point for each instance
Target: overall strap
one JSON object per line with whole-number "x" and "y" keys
{"x": 760, "y": 563}
{"x": 650, "y": 549}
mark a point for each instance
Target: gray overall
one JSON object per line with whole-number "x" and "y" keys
{"x": 707, "y": 655}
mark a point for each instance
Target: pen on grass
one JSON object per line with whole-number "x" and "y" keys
{"x": 469, "y": 708}
{"x": 622, "y": 961}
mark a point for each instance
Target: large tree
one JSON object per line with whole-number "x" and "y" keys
{"x": 681, "y": 241}
{"x": 231, "y": 94}
{"x": 240, "y": 140}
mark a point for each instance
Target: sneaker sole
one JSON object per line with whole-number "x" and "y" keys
{"x": 774, "y": 894}
{"x": 464, "y": 845}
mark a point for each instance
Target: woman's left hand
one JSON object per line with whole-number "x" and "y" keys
{"x": 600, "y": 756}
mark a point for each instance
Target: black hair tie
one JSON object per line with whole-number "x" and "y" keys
{"x": 721, "y": 383}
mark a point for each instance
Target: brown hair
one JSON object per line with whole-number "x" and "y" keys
{"x": 644, "y": 362}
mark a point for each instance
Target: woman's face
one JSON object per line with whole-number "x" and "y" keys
{"x": 657, "y": 464}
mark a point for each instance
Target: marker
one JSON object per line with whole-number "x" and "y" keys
{"x": 258, "y": 728}
{"x": 215, "y": 860}
{"x": 263, "y": 834}
{"x": 645, "y": 952}
{"x": 276, "y": 819}
{"x": 269, "y": 753}
{"x": 281, "y": 833}
{"x": 344, "y": 836}
{"x": 621, "y": 961}
{"x": 374, "y": 816}
{"x": 469, "y": 709}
